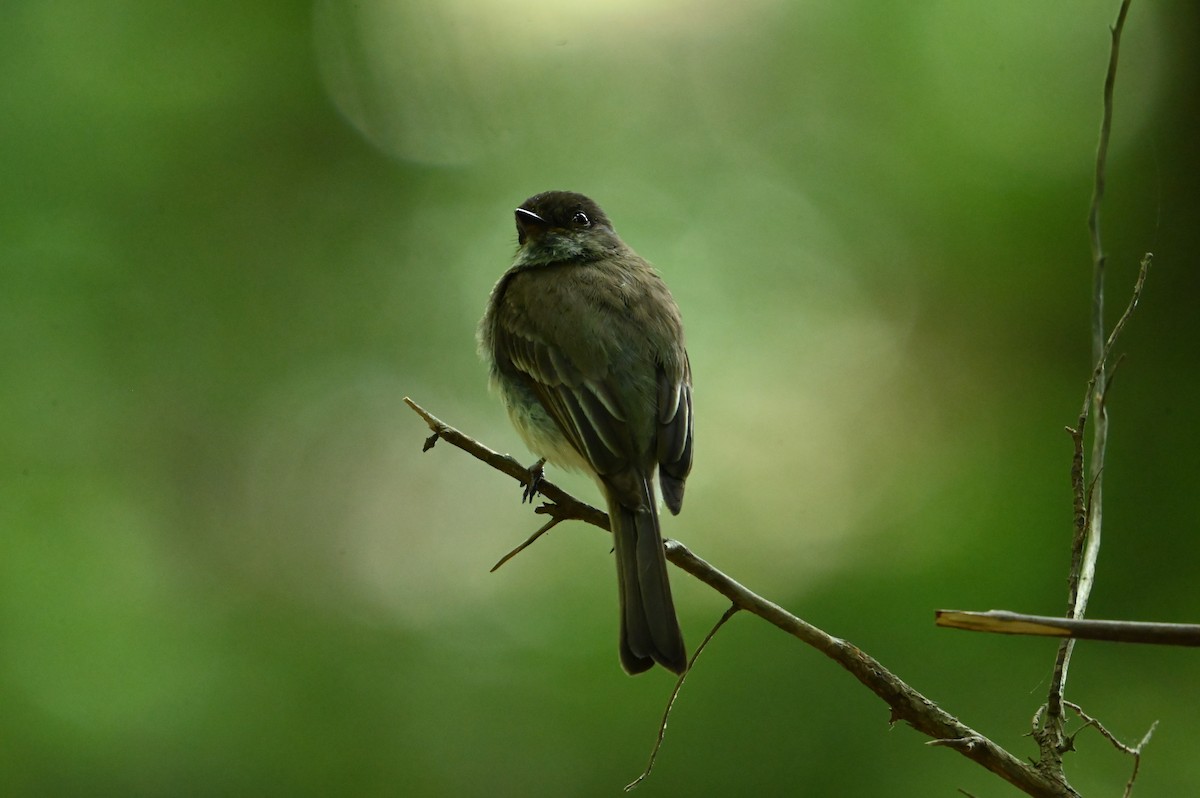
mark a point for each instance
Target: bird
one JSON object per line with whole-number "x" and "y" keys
{"x": 584, "y": 345}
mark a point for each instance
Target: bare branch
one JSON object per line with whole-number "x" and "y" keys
{"x": 1013, "y": 623}
{"x": 565, "y": 507}
{"x": 1086, "y": 541}
{"x": 906, "y": 703}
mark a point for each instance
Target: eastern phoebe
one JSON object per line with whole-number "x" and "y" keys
{"x": 585, "y": 347}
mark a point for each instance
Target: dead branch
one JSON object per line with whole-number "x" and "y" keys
{"x": 1015, "y": 623}
{"x": 906, "y": 704}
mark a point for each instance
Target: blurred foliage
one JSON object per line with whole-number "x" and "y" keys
{"x": 234, "y": 235}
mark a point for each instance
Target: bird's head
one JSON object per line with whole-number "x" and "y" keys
{"x": 557, "y": 226}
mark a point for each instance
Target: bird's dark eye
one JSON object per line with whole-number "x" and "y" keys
{"x": 580, "y": 219}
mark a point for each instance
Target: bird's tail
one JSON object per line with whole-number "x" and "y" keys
{"x": 649, "y": 629}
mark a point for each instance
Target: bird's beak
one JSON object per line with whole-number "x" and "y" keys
{"x": 529, "y": 224}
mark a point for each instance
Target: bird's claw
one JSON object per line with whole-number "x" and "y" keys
{"x": 536, "y": 472}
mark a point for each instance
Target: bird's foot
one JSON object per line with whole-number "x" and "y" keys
{"x": 536, "y": 472}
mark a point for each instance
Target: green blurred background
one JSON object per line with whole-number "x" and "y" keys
{"x": 234, "y": 235}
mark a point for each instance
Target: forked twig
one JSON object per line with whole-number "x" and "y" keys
{"x": 1133, "y": 751}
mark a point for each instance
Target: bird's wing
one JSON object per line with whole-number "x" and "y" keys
{"x": 675, "y": 432}
{"x": 585, "y": 406}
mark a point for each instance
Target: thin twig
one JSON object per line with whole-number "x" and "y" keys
{"x": 1086, "y": 543}
{"x": 1013, "y": 623}
{"x": 1133, "y": 751}
{"x": 662, "y": 726}
{"x": 565, "y": 506}
{"x": 528, "y": 542}
{"x": 1086, "y": 497}
{"x": 1137, "y": 758}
